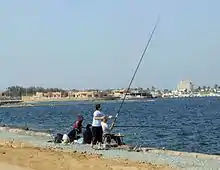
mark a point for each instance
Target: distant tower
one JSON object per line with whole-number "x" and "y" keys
{"x": 185, "y": 85}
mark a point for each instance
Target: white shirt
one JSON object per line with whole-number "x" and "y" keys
{"x": 105, "y": 128}
{"x": 97, "y": 123}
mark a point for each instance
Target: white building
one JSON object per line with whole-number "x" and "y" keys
{"x": 185, "y": 85}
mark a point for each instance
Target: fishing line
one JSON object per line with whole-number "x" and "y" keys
{"x": 132, "y": 126}
{"x": 142, "y": 56}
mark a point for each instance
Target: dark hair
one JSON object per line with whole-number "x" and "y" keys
{"x": 97, "y": 106}
{"x": 80, "y": 118}
{"x": 88, "y": 126}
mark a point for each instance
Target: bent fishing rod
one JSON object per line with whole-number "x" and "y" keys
{"x": 129, "y": 86}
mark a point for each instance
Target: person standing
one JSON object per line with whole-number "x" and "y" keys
{"x": 97, "y": 132}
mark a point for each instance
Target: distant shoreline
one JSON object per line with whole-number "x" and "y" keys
{"x": 27, "y": 100}
{"x": 32, "y": 102}
{"x": 66, "y": 100}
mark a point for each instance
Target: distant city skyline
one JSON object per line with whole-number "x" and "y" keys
{"x": 82, "y": 44}
{"x": 180, "y": 86}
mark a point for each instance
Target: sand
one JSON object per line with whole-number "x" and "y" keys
{"x": 4, "y": 166}
{"x": 23, "y": 156}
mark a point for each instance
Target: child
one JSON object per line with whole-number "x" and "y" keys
{"x": 105, "y": 127}
{"x": 107, "y": 132}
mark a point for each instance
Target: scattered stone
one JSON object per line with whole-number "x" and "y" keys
{"x": 141, "y": 162}
{"x": 100, "y": 155}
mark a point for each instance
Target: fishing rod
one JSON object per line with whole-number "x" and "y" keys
{"x": 142, "y": 56}
{"x": 125, "y": 126}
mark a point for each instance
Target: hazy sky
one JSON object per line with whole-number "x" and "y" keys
{"x": 97, "y": 44}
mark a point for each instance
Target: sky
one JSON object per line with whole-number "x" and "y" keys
{"x": 97, "y": 44}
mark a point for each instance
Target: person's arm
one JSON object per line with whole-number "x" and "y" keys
{"x": 111, "y": 117}
{"x": 99, "y": 117}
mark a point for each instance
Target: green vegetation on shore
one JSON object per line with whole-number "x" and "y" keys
{"x": 18, "y": 91}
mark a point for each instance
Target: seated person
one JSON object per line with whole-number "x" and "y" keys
{"x": 78, "y": 124}
{"x": 73, "y": 134}
{"x": 61, "y": 138}
{"x": 87, "y": 135}
{"x": 107, "y": 132}
{"x": 77, "y": 129}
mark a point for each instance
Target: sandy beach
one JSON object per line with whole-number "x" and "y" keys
{"x": 20, "y": 150}
{"x": 23, "y": 156}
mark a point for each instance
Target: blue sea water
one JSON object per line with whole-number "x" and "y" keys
{"x": 187, "y": 124}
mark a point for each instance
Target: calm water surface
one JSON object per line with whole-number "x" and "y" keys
{"x": 178, "y": 124}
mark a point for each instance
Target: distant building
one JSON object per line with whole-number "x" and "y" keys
{"x": 156, "y": 93}
{"x": 185, "y": 85}
{"x": 1, "y": 95}
{"x": 119, "y": 93}
{"x": 39, "y": 94}
{"x": 87, "y": 94}
{"x": 48, "y": 94}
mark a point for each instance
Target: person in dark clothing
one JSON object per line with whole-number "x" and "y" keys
{"x": 73, "y": 134}
{"x": 87, "y": 135}
{"x": 58, "y": 138}
{"x": 77, "y": 129}
{"x": 78, "y": 124}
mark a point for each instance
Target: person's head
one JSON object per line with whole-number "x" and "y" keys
{"x": 88, "y": 126}
{"x": 80, "y": 118}
{"x": 97, "y": 106}
{"x": 105, "y": 119}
